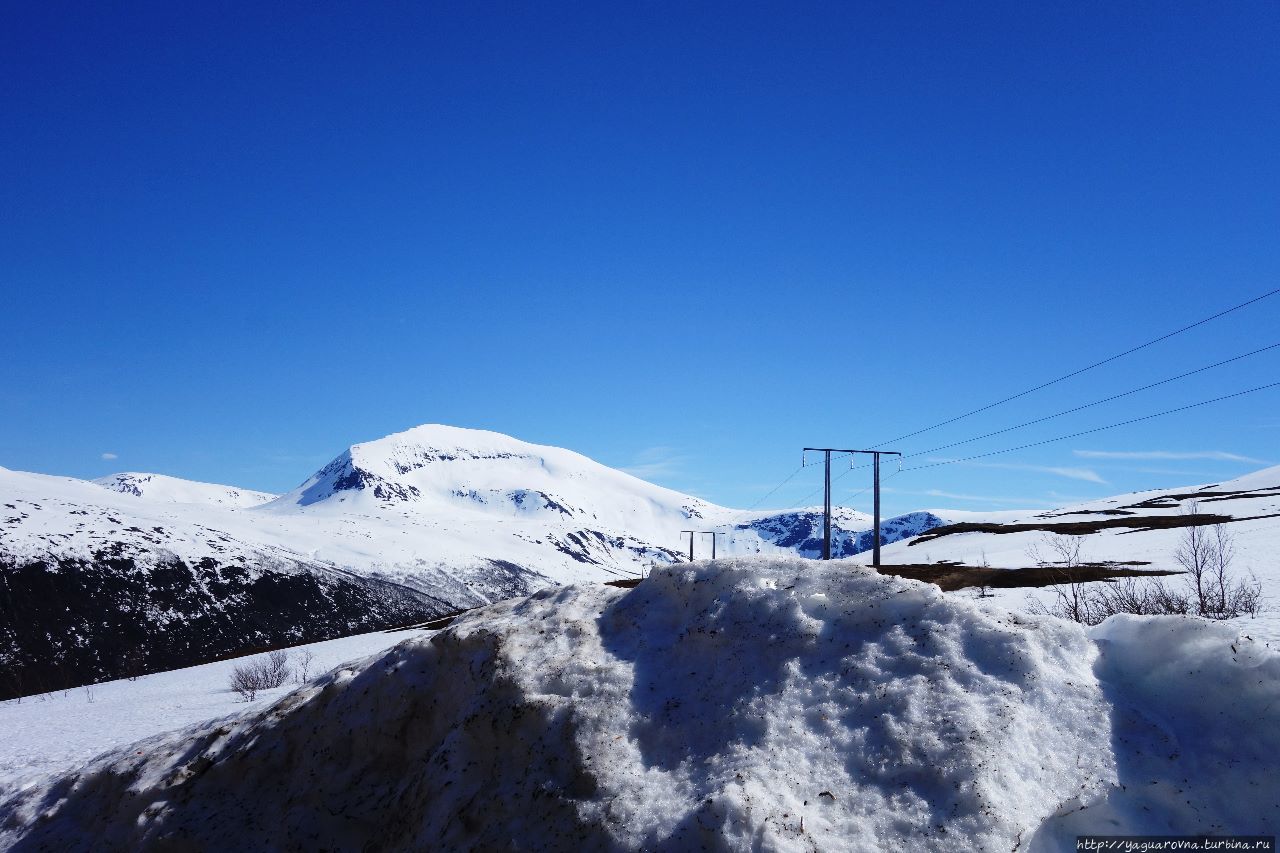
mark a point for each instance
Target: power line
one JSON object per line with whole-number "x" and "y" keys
{"x": 1073, "y": 373}
{"x": 1096, "y": 429}
{"x": 741, "y": 514}
{"x": 1089, "y": 405}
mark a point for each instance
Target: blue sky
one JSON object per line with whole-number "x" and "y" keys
{"x": 684, "y": 239}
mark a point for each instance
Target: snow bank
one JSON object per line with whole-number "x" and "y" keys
{"x": 740, "y": 704}
{"x": 1196, "y": 732}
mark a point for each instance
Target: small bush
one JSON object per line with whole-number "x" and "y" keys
{"x": 263, "y": 673}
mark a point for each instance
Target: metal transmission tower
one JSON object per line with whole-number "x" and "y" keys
{"x": 826, "y": 497}
{"x": 690, "y": 532}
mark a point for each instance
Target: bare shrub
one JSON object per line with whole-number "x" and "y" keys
{"x": 1206, "y": 555}
{"x": 262, "y": 673}
{"x": 1072, "y": 600}
{"x": 1195, "y": 553}
{"x": 1209, "y": 588}
{"x": 1148, "y": 597}
{"x": 133, "y": 664}
{"x": 302, "y": 672}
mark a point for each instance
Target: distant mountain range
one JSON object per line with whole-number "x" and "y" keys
{"x": 138, "y": 572}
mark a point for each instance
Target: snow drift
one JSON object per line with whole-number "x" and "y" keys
{"x": 738, "y": 704}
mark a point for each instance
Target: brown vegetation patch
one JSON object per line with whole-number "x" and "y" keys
{"x": 953, "y": 576}
{"x": 625, "y": 583}
{"x": 1078, "y": 528}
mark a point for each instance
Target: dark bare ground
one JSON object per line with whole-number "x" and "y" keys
{"x": 953, "y": 576}
{"x": 1135, "y": 524}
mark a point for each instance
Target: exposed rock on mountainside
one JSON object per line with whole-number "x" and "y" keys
{"x": 851, "y": 532}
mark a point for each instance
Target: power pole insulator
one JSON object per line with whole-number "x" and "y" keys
{"x": 713, "y": 534}
{"x": 690, "y": 532}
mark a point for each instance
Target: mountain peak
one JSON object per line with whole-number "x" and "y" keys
{"x": 405, "y": 465}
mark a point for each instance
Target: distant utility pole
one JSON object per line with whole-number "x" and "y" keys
{"x": 690, "y": 532}
{"x": 713, "y": 534}
{"x": 826, "y": 498}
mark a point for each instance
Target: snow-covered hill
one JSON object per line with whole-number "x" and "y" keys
{"x": 1125, "y": 528}
{"x": 161, "y": 488}
{"x": 744, "y": 704}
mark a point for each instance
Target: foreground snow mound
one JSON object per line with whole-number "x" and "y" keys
{"x": 1196, "y": 732}
{"x": 739, "y": 704}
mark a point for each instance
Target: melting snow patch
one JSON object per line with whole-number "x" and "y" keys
{"x": 742, "y": 704}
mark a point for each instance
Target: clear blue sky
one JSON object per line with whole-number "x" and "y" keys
{"x": 687, "y": 239}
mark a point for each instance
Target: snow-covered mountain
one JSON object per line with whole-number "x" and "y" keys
{"x": 165, "y": 489}
{"x": 422, "y": 523}
{"x": 400, "y": 529}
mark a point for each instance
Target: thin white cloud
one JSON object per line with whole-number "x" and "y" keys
{"x": 939, "y": 493}
{"x": 656, "y": 462}
{"x": 109, "y": 456}
{"x": 1086, "y": 474}
{"x": 1089, "y": 476}
{"x": 1218, "y": 455}
{"x": 1019, "y": 503}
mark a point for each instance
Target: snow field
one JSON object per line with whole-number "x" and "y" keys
{"x": 61, "y": 731}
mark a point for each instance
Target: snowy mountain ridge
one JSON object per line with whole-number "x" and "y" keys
{"x": 163, "y": 488}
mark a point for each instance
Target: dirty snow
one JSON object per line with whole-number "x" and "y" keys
{"x": 742, "y": 704}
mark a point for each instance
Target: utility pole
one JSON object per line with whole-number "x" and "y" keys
{"x": 826, "y": 498}
{"x": 713, "y": 534}
{"x": 690, "y": 532}
{"x": 826, "y": 510}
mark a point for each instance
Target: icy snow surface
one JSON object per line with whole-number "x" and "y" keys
{"x": 770, "y": 704}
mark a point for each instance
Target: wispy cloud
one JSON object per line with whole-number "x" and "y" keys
{"x": 1218, "y": 455}
{"x": 1086, "y": 474}
{"x": 656, "y": 462}
{"x": 109, "y": 456}
{"x": 1020, "y": 503}
{"x": 1171, "y": 472}
{"x": 939, "y": 493}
